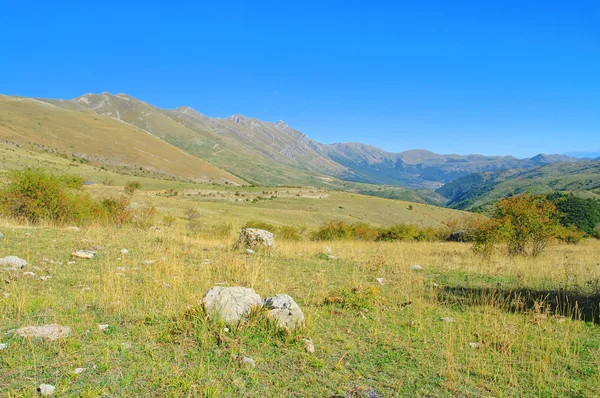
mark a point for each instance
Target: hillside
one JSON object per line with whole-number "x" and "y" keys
{"x": 261, "y": 153}
{"x": 479, "y": 189}
{"x": 100, "y": 141}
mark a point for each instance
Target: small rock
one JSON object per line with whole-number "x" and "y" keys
{"x": 79, "y": 370}
{"x": 5, "y": 294}
{"x": 50, "y": 332}
{"x": 46, "y": 389}
{"x": 206, "y": 261}
{"x": 74, "y": 229}
{"x": 416, "y": 267}
{"x": 249, "y": 362}
{"x": 3, "y": 346}
{"x": 310, "y": 346}
{"x": 448, "y": 319}
{"x": 13, "y": 261}
{"x": 284, "y": 310}
{"x": 27, "y": 234}
{"x": 1, "y": 236}
{"x": 71, "y": 262}
{"x": 327, "y": 250}
{"x": 126, "y": 346}
{"x": 148, "y": 262}
{"x": 87, "y": 254}
{"x": 45, "y": 278}
{"x": 250, "y": 251}
{"x": 379, "y": 280}
{"x": 166, "y": 284}
{"x": 331, "y": 257}
{"x": 103, "y": 327}
{"x": 124, "y": 251}
{"x": 28, "y": 274}
{"x": 474, "y": 345}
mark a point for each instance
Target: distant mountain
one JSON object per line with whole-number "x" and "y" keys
{"x": 421, "y": 168}
{"x": 584, "y": 155}
{"x": 479, "y": 189}
{"x": 266, "y": 153}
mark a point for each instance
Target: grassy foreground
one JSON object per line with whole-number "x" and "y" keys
{"x": 386, "y": 339}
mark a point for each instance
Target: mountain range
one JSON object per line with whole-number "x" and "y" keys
{"x": 247, "y": 150}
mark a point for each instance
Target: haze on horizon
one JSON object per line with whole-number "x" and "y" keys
{"x": 495, "y": 79}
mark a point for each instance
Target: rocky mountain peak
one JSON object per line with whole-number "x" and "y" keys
{"x": 237, "y": 118}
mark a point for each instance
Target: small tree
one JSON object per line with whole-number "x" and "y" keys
{"x": 526, "y": 223}
{"x": 132, "y": 186}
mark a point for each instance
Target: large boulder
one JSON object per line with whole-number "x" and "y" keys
{"x": 230, "y": 303}
{"x": 13, "y": 261}
{"x": 284, "y": 310}
{"x": 252, "y": 238}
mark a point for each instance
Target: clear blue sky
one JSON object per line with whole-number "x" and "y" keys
{"x": 504, "y": 77}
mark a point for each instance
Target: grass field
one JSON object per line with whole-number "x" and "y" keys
{"x": 387, "y": 339}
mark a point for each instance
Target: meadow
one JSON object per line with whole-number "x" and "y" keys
{"x": 463, "y": 326}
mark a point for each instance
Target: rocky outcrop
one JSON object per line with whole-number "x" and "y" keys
{"x": 253, "y": 238}
{"x": 284, "y": 311}
{"x": 230, "y": 304}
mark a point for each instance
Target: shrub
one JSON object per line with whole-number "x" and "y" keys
{"x": 35, "y": 195}
{"x": 334, "y": 230}
{"x": 288, "y": 232}
{"x": 260, "y": 225}
{"x": 168, "y": 220}
{"x": 117, "y": 210}
{"x": 132, "y": 186}
{"x": 191, "y": 213}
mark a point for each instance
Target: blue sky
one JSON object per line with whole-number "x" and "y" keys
{"x": 506, "y": 77}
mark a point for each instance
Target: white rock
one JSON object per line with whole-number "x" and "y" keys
{"x": 206, "y": 261}
{"x": 331, "y": 257}
{"x": 45, "y": 278}
{"x": 79, "y": 370}
{"x": 27, "y": 234}
{"x": 249, "y": 362}
{"x": 13, "y": 261}
{"x": 50, "y": 332}
{"x": 3, "y": 346}
{"x": 416, "y": 267}
{"x": 379, "y": 280}
{"x": 310, "y": 346}
{"x": 250, "y": 251}
{"x": 252, "y": 237}
{"x": 448, "y": 319}
{"x": 103, "y": 327}
{"x": 28, "y": 274}
{"x": 148, "y": 262}
{"x": 327, "y": 250}
{"x": 124, "y": 251}
{"x": 474, "y": 345}
{"x": 230, "y": 303}
{"x": 46, "y": 389}
{"x": 71, "y": 262}
{"x": 1, "y": 236}
{"x": 284, "y": 310}
{"x": 87, "y": 254}
{"x": 74, "y": 229}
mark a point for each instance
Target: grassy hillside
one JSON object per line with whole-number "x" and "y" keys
{"x": 100, "y": 141}
{"x": 582, "y": 178}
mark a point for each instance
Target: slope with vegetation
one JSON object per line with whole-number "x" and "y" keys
{"x": 85, "y": 137}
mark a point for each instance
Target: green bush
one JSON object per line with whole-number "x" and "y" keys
{"x": 132, "y": 186}
{"x": 34, "y": 195}
{"x": 260, "y": 225}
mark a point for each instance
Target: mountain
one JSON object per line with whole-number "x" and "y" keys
{"x": 259, "y": 152}
{"x": 584, "y": 155}
{"x": 264, "y": 153}
{"x": 479, "y": 189}
{"x": 101, "y": 141}
{"x": 421, "y": 168}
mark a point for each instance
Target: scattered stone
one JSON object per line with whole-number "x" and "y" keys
{"x": 331, "y": 257}
{"x": 71, "y": 262}
{"x": 166, "y": 284}
{"x": 79, "y": 370}
{"x": 46, "y": 389}
{"x": 448, "y": 319}
{"x": 103, "y": 327}
{"x": 6, "y": 295}
{"x": 3, "y": 346}
{"x": 28, "y": 274}
{"x": 230, "y": 303}
{"x": 124, "y": 251}
{"x": 474, "y": 345}
{"x": 126, "y": 346}
{"x": 13, "y": 261}
{"x": 379, "y": 280}
{"x": 206, "y": 261}
{"x": 327, "y": 250}
{"x": 50, "y": 332}
{"x": 148, "y": 262}
{"x": 416, "y": 267}
{"x": 248, "y": 362}
{"x": 310, "y": 346}
{"x": 88, "y": 254}
{"x": 74, "y": 229}
{"x": 27, "y": 234}
{"x": 252, "y": 238}
{"x": 1, "y": 236}
{"x": 250, "y": 251}
{"x": 284, "y": 310}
